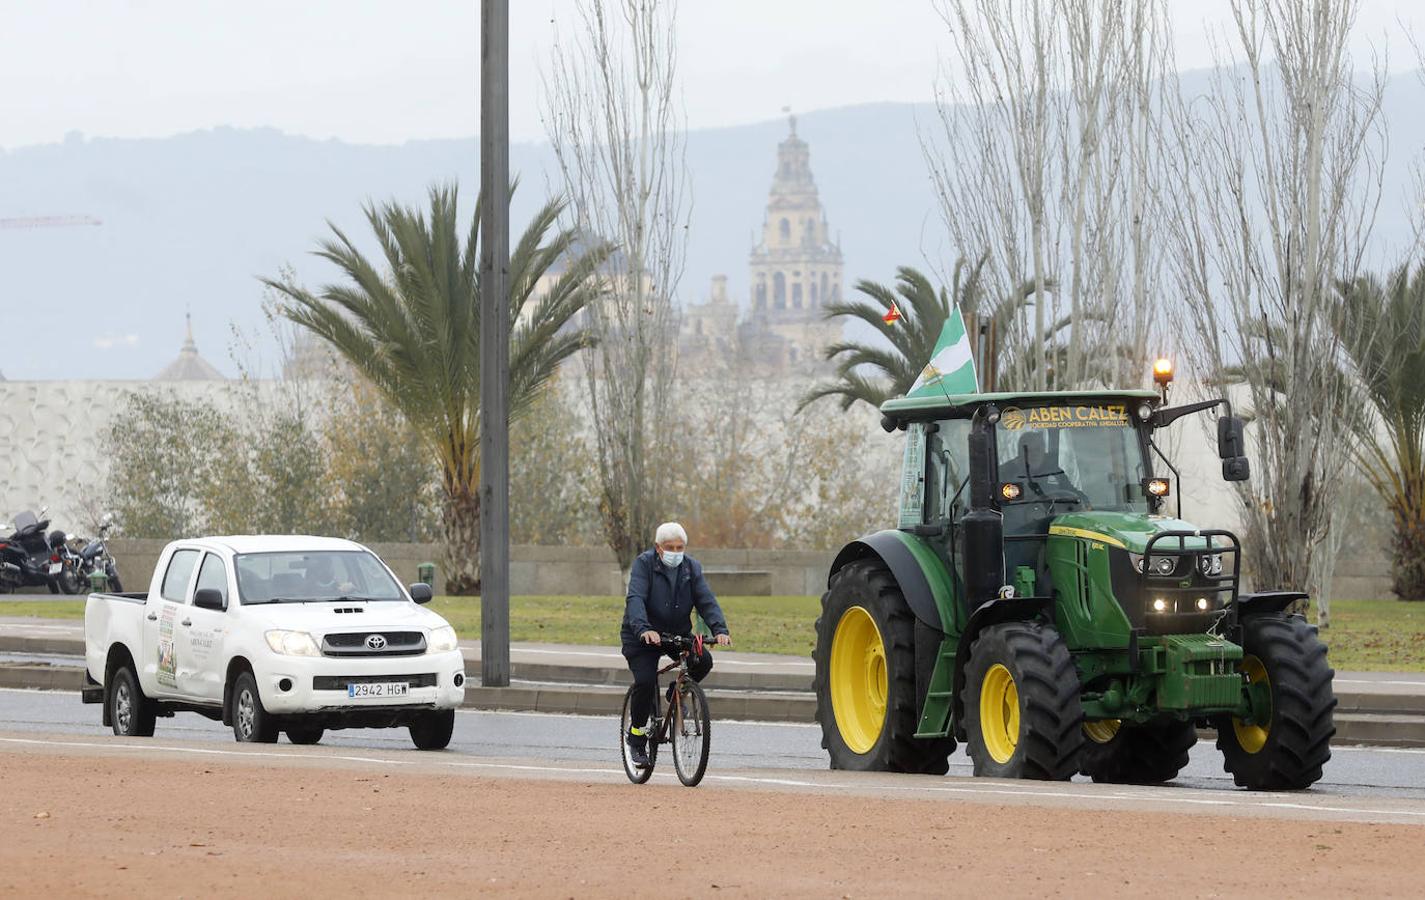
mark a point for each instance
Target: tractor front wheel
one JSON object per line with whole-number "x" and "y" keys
{"x": 1287, "y": 739}
{"x": 1151, "y": 753}
{"x": 865, "y": 677}
{"x": 1021, "y": 698}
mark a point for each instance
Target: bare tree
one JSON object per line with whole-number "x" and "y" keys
{"x": 615, "y": 122}
{"x": 1042, "y": 161}
{"x": 1271, "y": 194}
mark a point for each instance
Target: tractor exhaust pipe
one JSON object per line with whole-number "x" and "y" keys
{"x": 983, "y": 524}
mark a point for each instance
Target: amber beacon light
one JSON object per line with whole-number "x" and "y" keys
{"x": 1163, "y": 371}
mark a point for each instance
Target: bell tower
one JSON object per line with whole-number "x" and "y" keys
{"x": 796, "y": 268}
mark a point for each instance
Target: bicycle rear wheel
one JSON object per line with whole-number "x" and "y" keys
{"x": 635, "y": 774}
{"x": 691, "y": 727}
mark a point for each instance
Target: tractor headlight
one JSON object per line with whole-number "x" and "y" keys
{"x": 1160, "y": 605}
{"x": 1158, "y": 565}
{"x": 1210, "y": 564}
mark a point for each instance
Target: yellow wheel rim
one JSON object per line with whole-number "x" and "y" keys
{"x": 999, "y": 713}
{"x": 1103, "y": 730}
{"x": 1252, "y": 738}
{"x": 858, "y": 679}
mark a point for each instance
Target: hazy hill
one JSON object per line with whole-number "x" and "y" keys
{"x": 191, "y": 220}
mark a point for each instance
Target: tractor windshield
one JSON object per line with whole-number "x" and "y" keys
{"x": 1079, "y": 456}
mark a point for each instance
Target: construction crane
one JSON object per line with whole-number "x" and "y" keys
{"x": 49, "y": 222}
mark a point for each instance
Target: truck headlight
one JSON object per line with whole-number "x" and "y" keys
{"x": 292, "y": 643}
{"x": 442, "y": 640}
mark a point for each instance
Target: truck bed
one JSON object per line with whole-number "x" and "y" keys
{"x": 139, "y": 597}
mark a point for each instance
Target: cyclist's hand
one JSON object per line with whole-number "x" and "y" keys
{"x": 651, "y": 637}
{"x": 724, "y": 640}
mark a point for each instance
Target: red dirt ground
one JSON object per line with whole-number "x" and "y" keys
{"x": 94, "y": 826}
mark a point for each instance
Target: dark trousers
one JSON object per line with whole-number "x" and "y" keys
{"x": 643, "y": 662}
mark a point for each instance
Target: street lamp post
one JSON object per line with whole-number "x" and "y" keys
{"x": 494, "y": 343}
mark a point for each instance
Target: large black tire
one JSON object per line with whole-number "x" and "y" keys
{"x": 1151, "y": 753}
{"x": 888, "y": 744}
{"x": 1288, "y": 754}
{"x": 252, "y": 723}
{"x": 131, "y": 714}
{"x": 1031, "y": 691}
{"x": 432, "y": 730}
{"x": 305, "y": 734}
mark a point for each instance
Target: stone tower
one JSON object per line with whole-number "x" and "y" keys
{"x": 796, "y": 269}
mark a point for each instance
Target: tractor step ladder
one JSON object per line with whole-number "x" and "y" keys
{"x": 935, "y": 717}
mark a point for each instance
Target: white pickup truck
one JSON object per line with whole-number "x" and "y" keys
{"x": 274, "y": 633}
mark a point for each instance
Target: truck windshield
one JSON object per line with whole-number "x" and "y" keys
{"x": 313, "y": 577}
{"x": 1084, "y": 454}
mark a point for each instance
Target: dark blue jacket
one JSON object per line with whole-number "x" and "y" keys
{"x": 663, "y": 599}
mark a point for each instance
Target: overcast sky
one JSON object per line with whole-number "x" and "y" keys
{"x": 383, "y": 71}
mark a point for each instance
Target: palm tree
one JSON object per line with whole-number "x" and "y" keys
{"x": 873, "y": 372}
{"x": 412, "y": 328}
{"x": 1383, "y": 332}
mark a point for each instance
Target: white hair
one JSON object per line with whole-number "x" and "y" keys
{"x": 669, "y": 530}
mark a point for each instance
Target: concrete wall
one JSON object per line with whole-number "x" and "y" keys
{"x": 563, "y": 570}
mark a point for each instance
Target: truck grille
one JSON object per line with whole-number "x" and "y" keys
{"x": 339, "y": 682}
{"x": 374, "y": 643}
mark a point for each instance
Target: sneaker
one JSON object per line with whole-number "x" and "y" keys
{"x": 638, "y": 750}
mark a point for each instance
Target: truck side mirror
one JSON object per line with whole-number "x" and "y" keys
{"x": 1230, "y": 443}
{"x": 209, "y": 598}
{"x": 1238, "y": 468}
{"x": 420, "y": 592}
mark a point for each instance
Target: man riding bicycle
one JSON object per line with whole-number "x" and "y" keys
{"x": 664, "y": 586}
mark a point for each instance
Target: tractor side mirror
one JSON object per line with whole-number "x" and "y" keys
{"x": 1238, "y": 468}
{"x": 1230, "y": 443}
{"x": 982, "y": 490}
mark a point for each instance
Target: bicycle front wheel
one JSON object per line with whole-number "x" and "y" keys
{"x": 692, "y": 733}
{"x": 636, "y": 774}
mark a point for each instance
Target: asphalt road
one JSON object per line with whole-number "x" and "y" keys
{"x": 1356, "y": 772}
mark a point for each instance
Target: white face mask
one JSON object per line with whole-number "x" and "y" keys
{"x": 672, "y": 560}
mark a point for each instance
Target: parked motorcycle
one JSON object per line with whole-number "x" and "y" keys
{"x": 95, "y": 557}
{"x": 26, "y": 557}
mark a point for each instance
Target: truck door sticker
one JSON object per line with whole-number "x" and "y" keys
{"x": 167, "y": 652}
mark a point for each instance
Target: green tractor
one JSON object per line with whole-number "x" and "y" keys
{"x": 1037, "y": 604}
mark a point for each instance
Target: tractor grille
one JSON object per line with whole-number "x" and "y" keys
{"x": 339, "y": 682}
{"x": 374, "y": 643}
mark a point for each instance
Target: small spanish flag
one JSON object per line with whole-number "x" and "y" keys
{"x": 892, "y": 315}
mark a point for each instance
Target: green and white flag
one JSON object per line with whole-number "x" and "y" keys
{"x": 951, "y": 369}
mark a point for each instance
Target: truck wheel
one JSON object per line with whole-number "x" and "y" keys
{"x": 252, "y": 724}
{"x": 433, "y": 729}
{"x": 865, "y": 677}
{"x": 1021, "y": 700}
{"x": 1151, "y": 753}
{"x": 1286, "y": 746}
{"x": 131, "y": 713}
{"x": 307, "y": 734}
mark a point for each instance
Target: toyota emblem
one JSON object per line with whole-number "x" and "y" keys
{"x": 375, "y": 642}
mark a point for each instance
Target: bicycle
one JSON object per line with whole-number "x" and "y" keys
{"x": 688, "y": 726}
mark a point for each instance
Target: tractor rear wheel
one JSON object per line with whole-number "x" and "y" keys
{"x": 1283, "y": 746}
{"x": 865, "y": 677}
{"x": 1021, "y": 699}
{"x": 1150, "y": 753}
